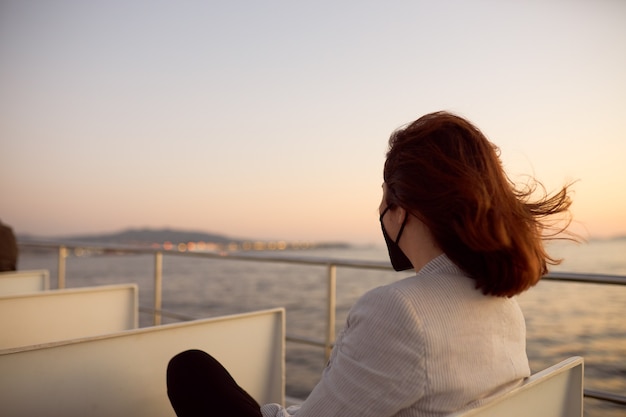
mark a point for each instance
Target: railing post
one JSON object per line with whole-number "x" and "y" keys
{"x": 331, "y": 311}
{"x": 61, "y": 267}
{"x": 158, "y": 286}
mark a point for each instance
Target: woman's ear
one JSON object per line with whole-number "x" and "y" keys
{"x": 399, "y": 214}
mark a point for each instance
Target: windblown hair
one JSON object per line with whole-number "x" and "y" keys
{"x": 444, "y": 171}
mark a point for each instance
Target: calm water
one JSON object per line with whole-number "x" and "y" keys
{"x": 563, "y": 319}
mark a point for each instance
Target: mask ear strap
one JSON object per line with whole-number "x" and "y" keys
{"x": 384, "y": 212}
{"x": 406, "y": 217}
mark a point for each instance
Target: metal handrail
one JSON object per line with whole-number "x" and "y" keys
{"x": 331, "y": 275}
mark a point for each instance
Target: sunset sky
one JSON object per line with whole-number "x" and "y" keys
{"x": 270, "y": 119}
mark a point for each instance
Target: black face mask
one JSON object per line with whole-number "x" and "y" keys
{"x": 399, "y": 261}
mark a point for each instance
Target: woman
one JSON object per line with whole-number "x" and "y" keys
{"x": 450, "y": 337}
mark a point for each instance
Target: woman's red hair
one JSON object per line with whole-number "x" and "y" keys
{"x": 444, "y": 171}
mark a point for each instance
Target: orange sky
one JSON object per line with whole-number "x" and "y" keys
{"x": 272, "y": 121}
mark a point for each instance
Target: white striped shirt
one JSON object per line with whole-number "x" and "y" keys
{"x": 426, "y": 345}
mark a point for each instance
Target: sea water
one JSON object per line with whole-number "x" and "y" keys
{"x": 563, "y": 319}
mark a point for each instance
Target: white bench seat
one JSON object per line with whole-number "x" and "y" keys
{"x": 554, "y": 392}
{"x": 23, "y": 282}
{"x": 48, "y": 316}
{"x": 123, "y": 374}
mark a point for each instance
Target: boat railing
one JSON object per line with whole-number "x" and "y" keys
{"x": 331, "y": 264}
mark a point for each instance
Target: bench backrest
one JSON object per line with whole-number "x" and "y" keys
{"x": 21, "y": 282}
{"x": 123, "y": 374}
{"x": 48, "y": 316}
{"x": 554, "y": 392}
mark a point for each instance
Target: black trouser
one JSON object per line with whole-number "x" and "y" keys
{"x": 199, "y": 386}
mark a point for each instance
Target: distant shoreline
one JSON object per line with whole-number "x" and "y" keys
{"x": 182, "y": 240}
{"x": 144, "y": 237}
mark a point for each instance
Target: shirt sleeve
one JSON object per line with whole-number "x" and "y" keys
{"x": 377, "y": 366}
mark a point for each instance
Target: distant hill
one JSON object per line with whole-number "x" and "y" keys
{"x": 143, "y": 237}
{"x": 147, "y": 237}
